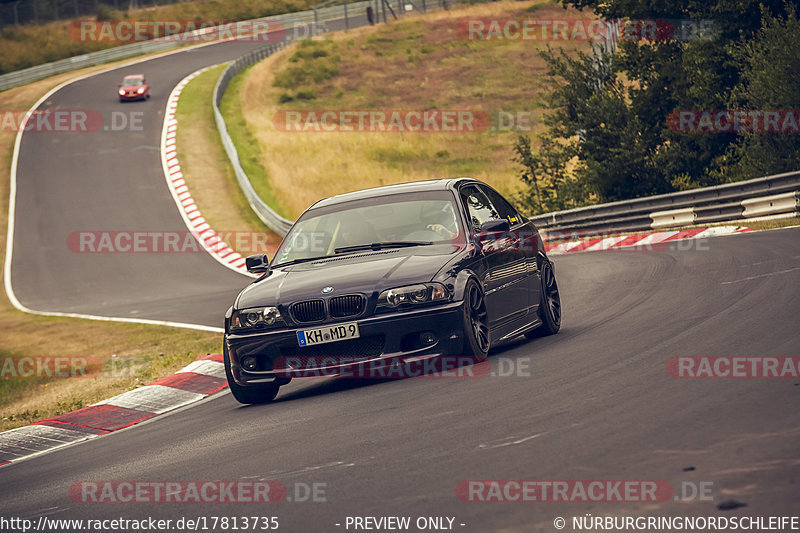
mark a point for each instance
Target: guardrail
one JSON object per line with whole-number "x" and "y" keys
{"x": 770, "y": 195}
{"x": 289, "y": 20}
{"x": 268, "y": 215}
{"x": 29, "y": 75}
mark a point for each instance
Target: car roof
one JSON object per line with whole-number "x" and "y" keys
{"x": 398, "y": 188}
{"x": 133, "y": 76}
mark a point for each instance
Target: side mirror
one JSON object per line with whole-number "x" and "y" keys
{"x": 257, "y": 264}
{"x": 491, "y": 232}
{"x": 496, "y": 226}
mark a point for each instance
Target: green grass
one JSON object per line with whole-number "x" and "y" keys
{"x": 246, "y": 144}
{"x": 30, "y": 44}
{"x": 133, "y": 355}
{"x": 195, "y": 100}
{"x": 765, "y": 224}
{"x": 195, "y": 108}
{"x": 419, "y": 63}
{"x": 314, "y": 62}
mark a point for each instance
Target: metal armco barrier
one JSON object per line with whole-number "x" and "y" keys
{"x": 289, "y": 20}
{"x": 770, "y": 205}
{"x": 674, "y": 217}
{"x": 29, "y": 75}
{"x": 267, "y": 215}
{"x": 771, "y": 195}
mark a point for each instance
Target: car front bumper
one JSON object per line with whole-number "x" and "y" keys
{"x": 385, "y": 339}
{"x": 133, "y": 97}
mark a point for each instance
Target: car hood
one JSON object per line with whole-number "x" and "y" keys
{"x": 356, "y": 273}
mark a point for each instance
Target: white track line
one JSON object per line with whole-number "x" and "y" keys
{"x": 13, "y": 196}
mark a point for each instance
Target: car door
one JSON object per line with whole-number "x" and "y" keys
{"x": 505, "y": 279}
{"x": 524, "y": 241}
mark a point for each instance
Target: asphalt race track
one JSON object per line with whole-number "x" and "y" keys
{"x": 596, "y": 397}
{"x": 593, "y": 402}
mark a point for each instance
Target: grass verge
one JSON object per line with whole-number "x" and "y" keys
{"x": 208, "y": 173}
{"x": 247, "y": 145}
{"x": 768, "y": 224}
{"x": 421, "y": 62}
{"x": 31, "y": 44}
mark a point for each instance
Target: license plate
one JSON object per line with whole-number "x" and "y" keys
{"x": 336, "y": 332}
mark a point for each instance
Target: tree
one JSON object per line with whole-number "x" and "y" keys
{"x": 768, "y": 66}
{"x": 619, "y": 106}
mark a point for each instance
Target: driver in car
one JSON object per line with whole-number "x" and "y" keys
{"x": 356, "y": 232}
{"x": 442, "y": 221}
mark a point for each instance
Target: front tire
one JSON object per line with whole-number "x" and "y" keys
{"x": 549, "y": 304}
{"x": 253, "y": 394}
{"x": 477, "y": 340}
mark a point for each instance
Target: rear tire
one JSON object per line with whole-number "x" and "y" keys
{"x": 253, "y": 394}
{"x": 477, "y": 340}
{"x": 549, "y": 304}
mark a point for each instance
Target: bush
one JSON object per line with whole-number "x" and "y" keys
{"x": 105, "y": 12}
{"x": 312, "y": 65}
{"x": 306, "y": 94}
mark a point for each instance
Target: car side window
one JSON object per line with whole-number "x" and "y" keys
{"x": 479, "y": 208}
{"x": 503, "y": 208}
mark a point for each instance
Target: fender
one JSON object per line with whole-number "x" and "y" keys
{"x": 228, "y": 315}
{"x": 542, "y": 256}
{"x": 461, "y": 283}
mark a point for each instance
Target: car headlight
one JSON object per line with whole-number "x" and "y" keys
{"x": 122, "y": 92}
{"x": 412, "y": 294}
{"x": 140, "y": 90}
{"x": 258, "y": 317}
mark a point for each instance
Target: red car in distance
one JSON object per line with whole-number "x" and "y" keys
{"x": 133, "y": 87}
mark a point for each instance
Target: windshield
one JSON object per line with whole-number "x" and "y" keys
{"x": 395, "y": 220}
{"x": 132, "y": 82}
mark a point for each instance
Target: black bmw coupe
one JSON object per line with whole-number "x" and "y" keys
{"x": 420, "y": 271}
